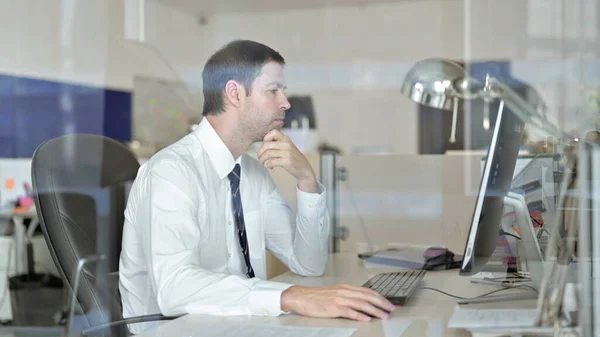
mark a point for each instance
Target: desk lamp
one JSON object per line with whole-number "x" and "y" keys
{"x": 441, "y": 84}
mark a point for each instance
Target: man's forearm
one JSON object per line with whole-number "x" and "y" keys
{"x": 309, "y": 185}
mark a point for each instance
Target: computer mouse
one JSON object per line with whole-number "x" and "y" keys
{"x": 436, "y": 255}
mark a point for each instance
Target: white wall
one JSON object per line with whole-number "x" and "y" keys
{"x": 350, "y": 59}
{"x": 353, "y": 59}
{"x": 83, "y": 41}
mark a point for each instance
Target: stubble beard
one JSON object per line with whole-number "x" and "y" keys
{"x": 253, "y": 132}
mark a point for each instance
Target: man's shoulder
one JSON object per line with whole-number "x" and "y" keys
{"x": 180, "y": 156}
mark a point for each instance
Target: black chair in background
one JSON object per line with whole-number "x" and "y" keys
{"x": 80, "y": 183}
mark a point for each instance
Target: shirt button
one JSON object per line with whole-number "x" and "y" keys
{"x": 229, "y": 254}
{"x": 229, "y": 223}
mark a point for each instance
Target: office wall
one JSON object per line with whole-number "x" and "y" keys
{"x": 66, "y": 67}
{"x": 83, "y": 42}
{"x": 413, "y": 199}
{"x": 352, "y": 59}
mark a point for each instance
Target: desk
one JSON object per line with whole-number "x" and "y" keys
{"x": 21, "y": 237}
{"x": 425, "y": 314}
{"x": 18, "y": 263}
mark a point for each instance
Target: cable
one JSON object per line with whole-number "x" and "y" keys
{"x": 537, "y": 222}
{"x": 545, "y": 230}
{"x": 443, "y": 292}
{"x": 539, "y": 237}
{"x": 360, "y": 218}
{"x": 506, "y": 233}
{"x": 482, "y": 295}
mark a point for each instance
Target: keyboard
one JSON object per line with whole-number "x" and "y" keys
{"x": 492, "y": 318}
{"x": 396, "y": 287}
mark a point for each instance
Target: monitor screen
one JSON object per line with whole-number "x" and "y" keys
{"x": 495, "y": 184}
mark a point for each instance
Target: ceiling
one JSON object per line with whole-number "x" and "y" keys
{"x": 210, "y": 7}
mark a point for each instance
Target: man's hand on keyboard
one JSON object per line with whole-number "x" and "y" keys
{"x": 346, "y": 301}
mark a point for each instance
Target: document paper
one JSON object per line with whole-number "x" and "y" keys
{"x": 253, "y": 329}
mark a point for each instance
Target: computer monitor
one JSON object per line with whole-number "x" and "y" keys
{"x": 495, "y": 184}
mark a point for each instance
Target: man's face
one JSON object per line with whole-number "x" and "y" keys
{"x": 264, "y": 109}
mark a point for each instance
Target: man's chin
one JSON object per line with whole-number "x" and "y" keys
{"x": 274, "y": 127}
{"x": 263, "y": 134}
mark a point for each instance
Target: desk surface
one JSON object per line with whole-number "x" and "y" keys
{"x": 425, "y": 314}
{"x": 9, "y": 213}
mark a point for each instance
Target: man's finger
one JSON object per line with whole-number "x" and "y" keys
{"x": 364, "y": 307}
{"x": 371, "y": 297}
{"x": 354, "y": 288}
{"x": 360, "y": 289}
{"x": 269, "y": 146}
{"x": 274, "y": 135}
{"x": 270, "y": 154}
{"x": 377, "y": 299}
{"x": 274, "y": 162}
{"x": 355, "y": 315}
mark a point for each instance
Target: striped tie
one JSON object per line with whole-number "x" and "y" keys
{"x": 238, "y": 213}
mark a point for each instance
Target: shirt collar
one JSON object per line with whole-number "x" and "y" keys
{"x": 219, "y": 154}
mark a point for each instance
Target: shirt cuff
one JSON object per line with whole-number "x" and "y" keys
{"x": 310, "y": 202}
{"x": 265, "y": 298}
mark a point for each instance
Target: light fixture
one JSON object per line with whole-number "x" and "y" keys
{"x": 135, "y": 23}
{"x": 442, "y": 84}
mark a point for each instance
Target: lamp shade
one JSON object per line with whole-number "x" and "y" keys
{"x": 436, "y": 82}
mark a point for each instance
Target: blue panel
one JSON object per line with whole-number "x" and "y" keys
{"x": 33, "y": 111}
{"x": 117, "y": 116}
{"x": 6, "y": 86}
{"x": 37, "y": 119}
{"x": 7, "y": 118}
{"x": 88, "y": 112}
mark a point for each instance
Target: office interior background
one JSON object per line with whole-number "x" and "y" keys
{"x": 131, "y": 70}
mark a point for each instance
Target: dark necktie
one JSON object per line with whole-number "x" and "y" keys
{"x": 238, "y": 212}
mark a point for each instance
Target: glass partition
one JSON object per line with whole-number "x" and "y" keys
{"x": 409, "y": 166}
{"x": 386, "y": 200}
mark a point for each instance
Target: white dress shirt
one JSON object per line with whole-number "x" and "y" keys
{"x": 181, "y": 253}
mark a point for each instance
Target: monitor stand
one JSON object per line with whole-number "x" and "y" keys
{"x": 530, "y": 252}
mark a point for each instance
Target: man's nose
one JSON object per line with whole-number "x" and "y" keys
{"x": 285, "y": 104}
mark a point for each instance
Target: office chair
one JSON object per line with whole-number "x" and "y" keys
{"x": 79, "y": 184}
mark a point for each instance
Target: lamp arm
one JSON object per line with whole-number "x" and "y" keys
{"x": 521, "y": 108}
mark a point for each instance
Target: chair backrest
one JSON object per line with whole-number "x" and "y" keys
{"x": 80, "y": 183}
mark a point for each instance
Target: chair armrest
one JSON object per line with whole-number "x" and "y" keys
{"x": 130, "y": 320}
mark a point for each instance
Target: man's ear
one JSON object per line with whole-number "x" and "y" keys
{"x": 233, "y": 93}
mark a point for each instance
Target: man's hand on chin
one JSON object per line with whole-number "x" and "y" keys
{"x": 279, "y": 150}
{"x": 357, "y": 303}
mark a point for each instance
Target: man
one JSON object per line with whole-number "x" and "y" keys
{"x": 201, "y": 212}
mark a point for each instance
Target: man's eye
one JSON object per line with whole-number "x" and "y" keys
{"x": 274, "y": 91}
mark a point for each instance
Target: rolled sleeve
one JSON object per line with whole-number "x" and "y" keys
{"x": 265, "y": 298}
